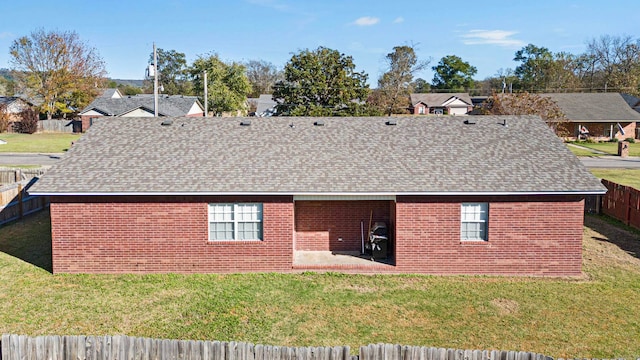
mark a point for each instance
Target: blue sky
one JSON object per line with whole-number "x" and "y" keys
{"x": 484, "y": 33}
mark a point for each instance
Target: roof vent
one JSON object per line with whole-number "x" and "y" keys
{"x": 319, "y": 123}
{"x": 167, "y": 122}
{"x": 246, "y": 122}
{"x": 392, "y": 122}
{"x": 470, "y": 121}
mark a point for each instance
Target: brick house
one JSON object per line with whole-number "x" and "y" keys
{"x": 604, "y": 115}
{"x": 222, "y": 195}
{"x": 113, "y": 103}
{"x": 441, "y": 104}
{"x": 13, "y": 106}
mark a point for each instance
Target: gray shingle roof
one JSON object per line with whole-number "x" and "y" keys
{"x": 437, "y": 99}
{"x": 265, "y": 102}
{"x": 168, "y": 105}
{"x": 594, "y": 107}
{"x": 347, "y": 155}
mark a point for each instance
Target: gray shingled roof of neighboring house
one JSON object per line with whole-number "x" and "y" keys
{"x": 633, "y": 101}
{"x": 594, "y": 107}
{"x": 168, "y": 105}
{"x": 289, "y": 156}
{"x": 265, "y": 102}
{"x": 437, "y": 99}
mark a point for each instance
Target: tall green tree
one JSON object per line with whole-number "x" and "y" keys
{"x": 172, "y": 72}
{"x": 535, "y": 63}
{"x": 262, "y": 75}
{"x": 321, "y": 82}
{"x": 395, "y": 84}
{"x": 57, "y": 67}
{"x": 227, "y": 83}
{"x": 453, "y": 74}
{"x": 420, "y": 86}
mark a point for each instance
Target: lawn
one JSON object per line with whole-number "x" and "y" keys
{"x": 582, "y": 152}
{"x": 629, "y": 177}
{"x": 611, "y": 147}
{"x": 595, "y": 316}
{"x": 37, "y": 143}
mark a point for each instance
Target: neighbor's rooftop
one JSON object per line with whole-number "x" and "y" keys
{"x": 294, "y": 156}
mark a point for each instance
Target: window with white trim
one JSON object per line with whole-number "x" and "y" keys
{"x": 235, "y": 221}
{"x": 474, "y": 219}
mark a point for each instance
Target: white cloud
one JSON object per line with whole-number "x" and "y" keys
{"x": 398, "y": 20}
{"x": 366, "y": 21}
{"x": 491, "y": 37}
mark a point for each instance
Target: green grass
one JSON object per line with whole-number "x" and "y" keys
{"x": 611, "y": 148}
{"x": 629, "y": 177}
{"x": 592, "y": 317}
{"x": 37, "y": 143}
{"x": 582, "y": 152}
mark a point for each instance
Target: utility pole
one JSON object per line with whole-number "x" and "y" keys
{"x": 155, "y": 81}
{"x": 206, "y": 96}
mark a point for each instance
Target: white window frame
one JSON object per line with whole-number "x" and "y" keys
{"x": 474, "y": 213}
{"x": 421, "y": 110}
{"x": 239, "y": 214}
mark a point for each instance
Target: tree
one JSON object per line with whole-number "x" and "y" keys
{"x": 5, "y": 118}
{"x": 535, "y": 63}
{"x": 6, "y": 87}
{"x": 421, "y": 86}
{"x": 28, "y": 123}
{"x": 172, "y": 72}
{"x": 56, "y": 66}
{"x": 452, "y": 74}
{"x": 616, "y": 63}
{"x": 528, "y": 104}
{"x": 321, "y": 82}
{"x": 263, "y": 76}
{"x": 228, "y": 85}
{"x": 502, "y": 81}
{"x": 395, "y": 85}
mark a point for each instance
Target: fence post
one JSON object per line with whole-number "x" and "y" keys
{"x": 20, "y": 204}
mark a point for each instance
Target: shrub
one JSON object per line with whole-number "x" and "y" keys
{"x": 630, "y": 140}
{"x": 613, "y": 140}
{"x": 28, "y": 123}
{"x": 4, "y": 118}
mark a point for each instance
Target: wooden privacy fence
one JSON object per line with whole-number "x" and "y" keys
{"x": 622, "y": 202}
{"x": 120, "y": 347}
{"x": 10, "y": 175}
{"x": 63, "y": 126}
{"x": 15, "y": 203}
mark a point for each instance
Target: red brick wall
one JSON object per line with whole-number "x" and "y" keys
{"x": 540, "y": 236}
{"x": 319, "y": 224}
{"x": 148, "y": 235}
{"x": 597, "y": 130}
{"x": 536, "y": 235}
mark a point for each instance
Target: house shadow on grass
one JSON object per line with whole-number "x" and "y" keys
{"x": 616, "y": 233}
{"x": 29, "y": 239}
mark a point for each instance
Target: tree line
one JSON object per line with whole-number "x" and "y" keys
{"x": 66, "y": 74}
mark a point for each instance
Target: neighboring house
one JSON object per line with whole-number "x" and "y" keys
{"x": 113, "y": 103}
{"x": 441, "y": 104}
{"x": 633, "y": 101}
{"x": 494, "y": 195}
{"x": 14, "y": 105}
{"x": 265, "y": 105}
{"x": 602, "y": 115}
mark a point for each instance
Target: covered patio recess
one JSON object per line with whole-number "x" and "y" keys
{"x": 333, "y": 233}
